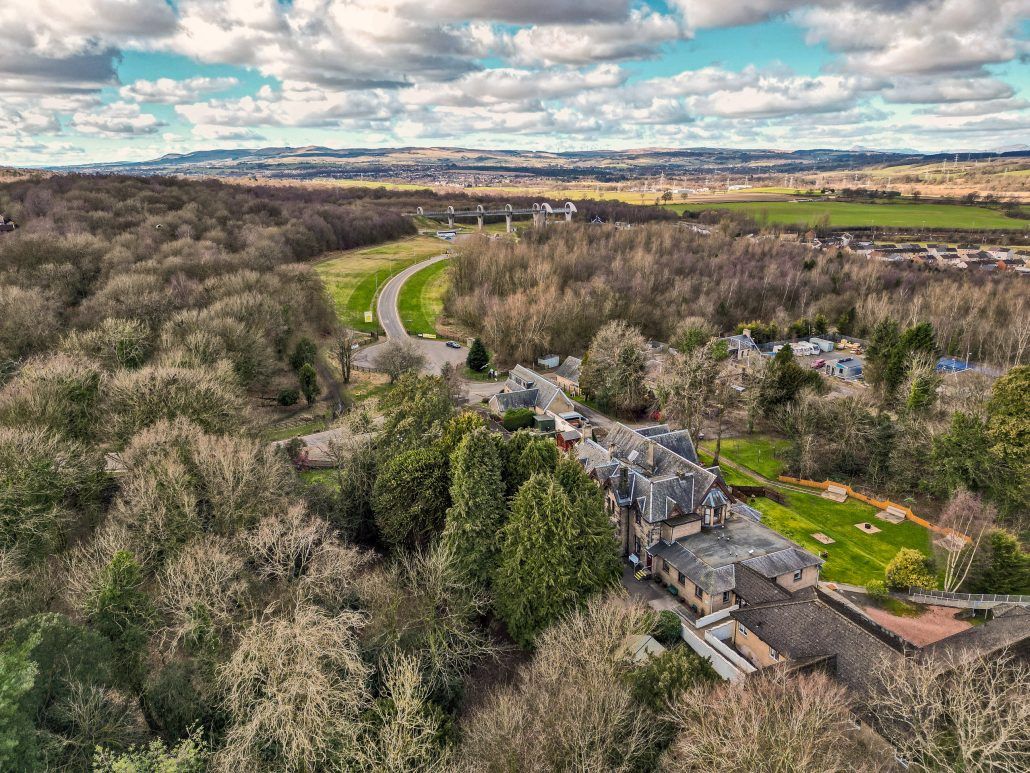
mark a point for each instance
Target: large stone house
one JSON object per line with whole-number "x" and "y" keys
{"x": 678, "y": 519}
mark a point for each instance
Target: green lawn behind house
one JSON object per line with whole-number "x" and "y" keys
{"x": 856, "y": 556}
{"x": 354, "y": 277}
{"x": 421, "y": 299}
{"x": 845, "y": 214}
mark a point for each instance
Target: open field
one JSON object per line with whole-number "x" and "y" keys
{"x": 855, "y": 556}
{"x": 421, "y": 299}
{"x": 852, "y": 214}
{"x": 353, "y": 277}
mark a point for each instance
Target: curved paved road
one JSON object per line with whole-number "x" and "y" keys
{"x": 436, "y": 352}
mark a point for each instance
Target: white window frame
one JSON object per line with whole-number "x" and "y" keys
{"x": 742, "y": 629}
{"x": 798, "y": 575}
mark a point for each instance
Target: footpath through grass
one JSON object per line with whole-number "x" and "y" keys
{"x": 354, "y": 277}
{"x": 855, "y": 556}
{"x": 905, "y": 214}
{"x": 420, "y": 302}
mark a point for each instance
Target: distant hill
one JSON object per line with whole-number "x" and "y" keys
{"x": 465, "y": 165}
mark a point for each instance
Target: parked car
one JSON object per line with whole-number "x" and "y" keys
{"x": 453, "y": 345}
{"x": 818, "y": 363}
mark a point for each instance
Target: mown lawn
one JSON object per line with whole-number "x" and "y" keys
{"x": 354, "y": 277}
{"x": 421, "y": 299}
{"x": 905, "y": 214}
{"x": 856, "y": 556}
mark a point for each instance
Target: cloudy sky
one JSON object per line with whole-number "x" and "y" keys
{"x": 104, "y": 80}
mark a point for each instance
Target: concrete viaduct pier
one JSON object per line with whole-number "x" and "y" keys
{"x": 539, "y": 213}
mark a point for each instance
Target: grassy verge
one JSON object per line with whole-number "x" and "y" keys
{"x": 420, "y": 301}
{"x": 905, "y": 214}
{"x": 354, "y": 277}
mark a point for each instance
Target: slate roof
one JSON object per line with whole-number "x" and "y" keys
{"x": 1009, "y": 629}
{"x": 569, "y": 369}
{"x": 754, "y": 589}
{"x": 709, "y": 558}
{"x": 524, "y": 398}
{"x": 806, "y": 626}
{"x": 660, "y": 482}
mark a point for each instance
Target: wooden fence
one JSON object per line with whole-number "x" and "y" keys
{"x": 881, "y": 504}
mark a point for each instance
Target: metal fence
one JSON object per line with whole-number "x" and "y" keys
{"x": 972, "y": 600}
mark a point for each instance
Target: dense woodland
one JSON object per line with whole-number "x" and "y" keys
{"x": 554, "y": 289}
{"x": 174, "y": 596}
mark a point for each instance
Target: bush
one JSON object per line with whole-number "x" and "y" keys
{"x": 877, "y": 590}
{"x": 288, "y": 396}
{"x": 303, "y": 354}
{"x": 668, "y": 629}
{"x": 909, "y": 568}
{"x": 517, "y": 418}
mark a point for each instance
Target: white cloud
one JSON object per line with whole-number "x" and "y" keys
{"x": 638, "y": 36}
{"x": 173, "y": 92}
{"x": 116, "y": 119}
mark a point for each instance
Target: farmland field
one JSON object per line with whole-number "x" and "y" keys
{"x": 353, "y": 277}
{"x": 853, "y": 214}
{"x": 421, "y": 299}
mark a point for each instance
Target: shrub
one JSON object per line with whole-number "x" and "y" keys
{"x": 909, "y": 568}
{"x": 667, "y": 629}
{"x": 288, "y": 396}
{"x": 478, "y": 357}
{"x": 877, "y": 590}
{"x": 517, "y": 418}
{"x": 304, "y": 353}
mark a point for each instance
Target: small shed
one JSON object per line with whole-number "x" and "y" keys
{"x": 848, "y": 368}
{"x": 543, "y": 423}
{"x": 823, "y": 344}
{"x": 548, "y": 361}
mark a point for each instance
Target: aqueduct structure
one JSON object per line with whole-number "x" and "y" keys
{"x": 540, "y": 212}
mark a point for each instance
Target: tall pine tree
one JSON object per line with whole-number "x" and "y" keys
{"x": 474, "y": 521}
{"x": 558, "y": 550}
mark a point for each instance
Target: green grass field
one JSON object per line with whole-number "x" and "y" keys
{"x": 760, "y": 453}
{"x": 852, "y": 214}
{"x": 856, "y": 556}
{"x": 353, "y": 277}
{"x": 421, "y": 299}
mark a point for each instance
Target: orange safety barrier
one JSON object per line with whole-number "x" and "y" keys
{"x": 882, "y": 504}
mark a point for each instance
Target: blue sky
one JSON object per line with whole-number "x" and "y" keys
{"x": 106, "y": 80}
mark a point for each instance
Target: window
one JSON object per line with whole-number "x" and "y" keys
{"x": 698, "y": 592}
{"x": 742, "y": 629}
{"x": 665, "y": 565}
{"x": 682, "y": 577}
{"x": 725, "y": 597}
{"x": 797, "y": 575}
{"x": 774, "y": 654}
{"x": 638, "y": 519}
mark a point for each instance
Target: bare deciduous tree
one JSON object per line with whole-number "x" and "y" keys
{"x": 956, "y": 711}
{"x": 406, "y": 732}
{"x": 293, "y": 691}
{"x": 399, "y": 357}
{"x": 967, "y": 514}
{"x": 566, "y": 712}
{"x": 772, "y": 721}
{"x": 344, "y": 351}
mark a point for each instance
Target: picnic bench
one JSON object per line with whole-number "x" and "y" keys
{"x": 835, "y": 493}
{"x": 893, "y": 514}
